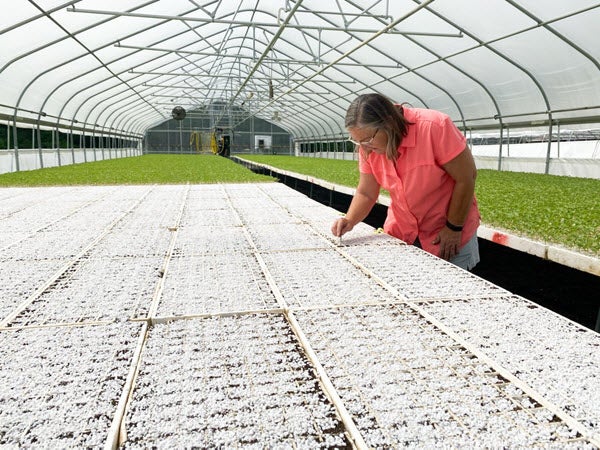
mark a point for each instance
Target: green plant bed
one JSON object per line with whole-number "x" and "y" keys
{"x": 335, "y": 170}
{"x": 548, "y": 208}
{"x": 147, "y": 169}
{"x": 555, "y": 209}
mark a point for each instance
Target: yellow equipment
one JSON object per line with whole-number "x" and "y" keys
{"x": 196, "y": 139}
{"x": 204, "y": 142}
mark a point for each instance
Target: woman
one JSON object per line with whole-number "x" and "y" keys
{"x": 423, "y": 160}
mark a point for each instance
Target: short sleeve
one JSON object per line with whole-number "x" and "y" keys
{"x": 449, "y": 141}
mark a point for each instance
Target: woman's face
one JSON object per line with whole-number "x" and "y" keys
{"x": 373, "y": 139}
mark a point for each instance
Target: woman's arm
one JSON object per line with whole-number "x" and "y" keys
{"x": 360, "y": 206}
{"x": 462, "y": 169}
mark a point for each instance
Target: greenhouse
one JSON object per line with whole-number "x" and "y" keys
{"x": 160, "y": 289}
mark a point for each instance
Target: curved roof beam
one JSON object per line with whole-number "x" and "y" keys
{"x": 261, "y": 25}
{"x": 109, "y": 77}
{"x": 266, "y": 50}
{"x": 106, "y": 45}
{"x": 276, "y": 69}
{"x": 497, "y": 52}
{"x": 84, "y": 74}
{"x": 227, "y": 34}
{"x": 228, "y": 21}
{"x": 439, "y": 58}
{"x": 38, "y": 16}
{"x": 357, "y": 63}
{"x": 117, "y": 59}
{"x": 221, "y": 67}
{"x": 363, "y": 43}
{"x": 400, "y": 63}
{"x": 337, "y": 64}
{"x": 115, "y": 42}
{"x": 546, "y": 25}
{"x": 111, "y": 62}
{"x": 166, "y": 86}
{"x": 64, "y": 38}
{"x": 88, "y": 52}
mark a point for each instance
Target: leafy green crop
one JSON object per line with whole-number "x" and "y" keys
{"x": 556, "y": 209}
{"x": 335, "y": 170}
{"x": 147, "y": 169}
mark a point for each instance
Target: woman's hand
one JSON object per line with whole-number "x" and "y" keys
{"x": 341, "y": 227}
{"x": 449, "y": 242}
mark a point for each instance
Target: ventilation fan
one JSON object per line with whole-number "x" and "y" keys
{"x": 178, "y": 113}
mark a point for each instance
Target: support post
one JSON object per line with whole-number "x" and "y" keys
{"x": 547, "y": 169}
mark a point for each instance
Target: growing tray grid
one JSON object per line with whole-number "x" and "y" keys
{"x": 420, "y": 352}
{"x": 50, "y": 245}
{"x": 297, "y": 201}
{"x": 141, "y": 243}
{"x": 210, "y": 240}
{"x": 59, "y": 386}
{"x": 559, "y": 358}
{"x": 10, "y": 238}
{"x": 284, "y": 237}
{"x": 204, "y": 192}
{"x": 21, "y": 279}
{"x": 229, "y": 382}
{"x": 214, "y": 284}
{"x": 416, "y": 274}
{"x": 406, "y": 383}
{"x": 160, "y": 208}
{"x": 201, "y": 217}
{"x": 266, "y": 216}
{"x": 315, "y": 212}
{"x": 251, "y": 202}
{"x": 321, "y": 278}
{"x": 95, "y": 290}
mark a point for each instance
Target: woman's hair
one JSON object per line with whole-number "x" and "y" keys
{"x": 377, "y": 111}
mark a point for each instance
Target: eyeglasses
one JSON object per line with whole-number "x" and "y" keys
{"x": 364, "y": 141}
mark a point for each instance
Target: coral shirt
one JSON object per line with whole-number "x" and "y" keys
{"x": 419, "y": 187}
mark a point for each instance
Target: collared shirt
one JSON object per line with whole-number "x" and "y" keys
{"x": 420, "y": 189}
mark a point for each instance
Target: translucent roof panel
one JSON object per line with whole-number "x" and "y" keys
{"x": 123, "y": 65}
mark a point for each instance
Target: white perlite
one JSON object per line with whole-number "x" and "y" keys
{"x": 214, "y": 284}
{"x": 21, "y": 279}
{"x": 560, "y": 359}
{"x": 421, "y": 353}
{"x": 318, "y": 278}
{"x": 409, "y": 384}
{"x": 96, "y": 290}
{"x": 229, "y": 382}
{"x": 281, "y": 237}
{"x": 59, "y": 386}
{"x": 141, "y": 243}
{"x": 416, "y": 274}
{"x": 211, "y": 240}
